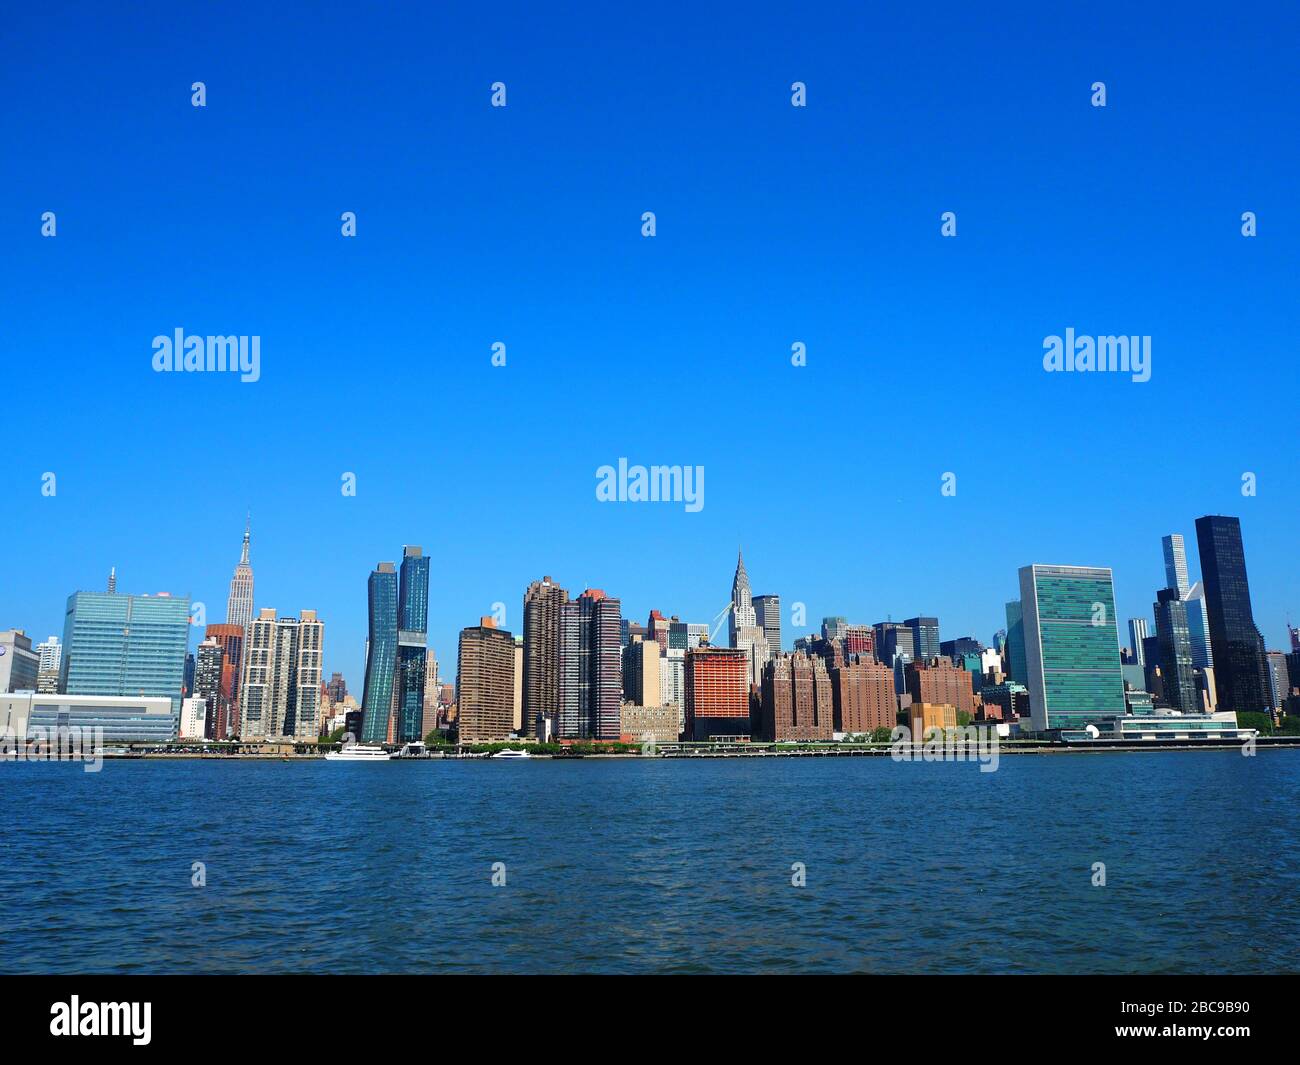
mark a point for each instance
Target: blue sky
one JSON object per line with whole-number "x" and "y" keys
{"x": 522, "y": 225}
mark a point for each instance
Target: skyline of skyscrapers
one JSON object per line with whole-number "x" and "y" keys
{"x": 592, "y": 669}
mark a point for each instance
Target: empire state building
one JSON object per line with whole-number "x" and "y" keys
{"x": 239, "y": 606}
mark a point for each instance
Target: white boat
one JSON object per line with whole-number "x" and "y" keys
{"x": 510, "y": 753}
{"x": 358, "y": 753}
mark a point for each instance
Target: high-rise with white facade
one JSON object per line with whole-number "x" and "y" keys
{"x": 282, "y": 673}
{"x": 1137, "y": 634}
{"x": 50, "y": 654}
{"x": 672, "y": 682}
{"x": 1175, "y": 563}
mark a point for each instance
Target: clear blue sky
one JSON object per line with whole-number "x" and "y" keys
{"x": 522, "y": 225}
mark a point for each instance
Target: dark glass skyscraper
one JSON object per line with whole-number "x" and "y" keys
{"x": 1175, "y": 652}
{"x": 925, "y": 638}
{"x": 1240, "y": 674}
{"x": 412, "y": 640}
{"x": 381, "y": 654}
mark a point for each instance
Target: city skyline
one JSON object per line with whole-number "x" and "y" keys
{"x": 521, "y": 226}
{"x": 425, "y": 608}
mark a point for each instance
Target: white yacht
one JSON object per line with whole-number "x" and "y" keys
{"x": 511, "y": 753}
{"x": 355, "y": 752}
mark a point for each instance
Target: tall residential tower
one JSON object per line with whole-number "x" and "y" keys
{"x": 381, "y": 654}
{"x": 541, "y": 680}
{"x": 412, "y": 641}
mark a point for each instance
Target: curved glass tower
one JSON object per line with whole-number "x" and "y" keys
{"x": 381, "y": 654}
{"x": 412, "y": 640}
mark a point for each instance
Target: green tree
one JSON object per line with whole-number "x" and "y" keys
{"x": 1263, "y": 722}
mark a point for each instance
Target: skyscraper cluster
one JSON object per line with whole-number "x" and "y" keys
{"x": 581, "y": 671}
{"x": 124, "y": 665}
{"x": 1056, "y": 668}
{"x": 397, "y": 650}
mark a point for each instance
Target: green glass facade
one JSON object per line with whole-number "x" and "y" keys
{"x": 125, "y": 645}
{"x": 1016, "y": 669}
{"x": 1071, "y": 646}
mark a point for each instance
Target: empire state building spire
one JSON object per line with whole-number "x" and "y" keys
{"x": 239, "y": 606}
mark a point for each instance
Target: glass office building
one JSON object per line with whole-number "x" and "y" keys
{"x": 1016, "y": 669}
{"x": 925, "y": 637}
{"x": 1175, "y": 652}
{"x": 381, "y": 654}
{"x": 1071, "y": 646}
{"x": 412, "y": 640}
{"x": 1240, "y": 672}
{"x": 131, "y": 645}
